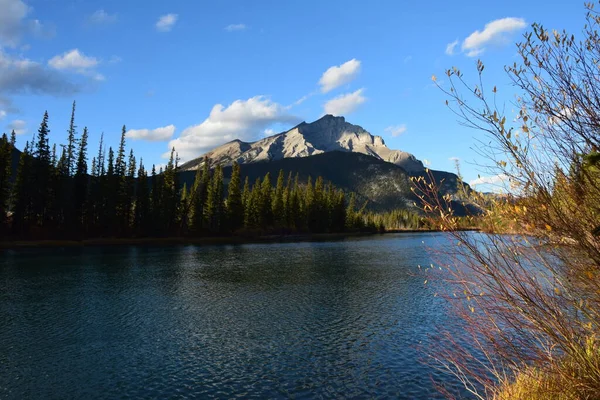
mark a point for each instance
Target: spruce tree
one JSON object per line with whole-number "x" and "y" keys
{"x": 278, "y": 202}
{"x": 214, "y": 204}
{"x": 71, "y": 142}
{"x": 129, "y": 193}
{"x": 351, "y": 217}
{"x": 80, "y": 183}
{"x": 41, "y": 171}
{"x": 22, "y": 194}
{"x": 309, "y": 204}
{"x": 235, "y": 205}
{"x": 6, "y": 149}
{"x": 252, "y": 212}
{"x": 155, "y": 209}
{"x": 120, "y": 164}
{"x": 201, "y": 184}
{"x": 142, "y": 205}
{"x": 246, "y": 194}
{"x": 265, "y": 203}
{"x": 170, "y": 194}
{"x": 109, "y": 217}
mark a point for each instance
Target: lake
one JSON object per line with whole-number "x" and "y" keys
{"x": 342, "y": 319}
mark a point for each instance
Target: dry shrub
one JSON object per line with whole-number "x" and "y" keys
{"x": 530, "y": 299}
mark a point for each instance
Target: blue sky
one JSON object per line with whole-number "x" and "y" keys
{"x": 196, "y": 74}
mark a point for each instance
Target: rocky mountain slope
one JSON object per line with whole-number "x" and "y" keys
{"x": 307, "y": 139}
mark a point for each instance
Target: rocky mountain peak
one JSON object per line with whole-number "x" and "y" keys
{"x": 329, "y": 133}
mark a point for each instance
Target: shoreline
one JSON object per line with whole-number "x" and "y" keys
{"x": 207, "y": 241}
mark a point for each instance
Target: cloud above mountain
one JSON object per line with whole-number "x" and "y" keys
{"x": 243, "y": 119}
{"x": 396, "y": 130}
{"x": 152, "y": 135}
{"x": 345, "y": 104}
{"x": 339, "y": 75}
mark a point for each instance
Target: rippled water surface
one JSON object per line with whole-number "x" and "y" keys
{"x": 295, "y": 320}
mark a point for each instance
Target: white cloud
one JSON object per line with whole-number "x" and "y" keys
{"x": 269, "y": 132}
{"x": 243, "y": 119}
{"x": 152, "y": 135}
{"x": 396, "y": 130}
{"x": 165, "y": 22}
{"x": 339, "y": 75}
{"x": 72, "y": 60}
{"x": 495, "y": 32}
{"x": 235, "y": 27}
{"x": 21, "y": 75}
{"x": 2, "y": 114}
{"x": 450, "y": 47}
{"x": 489, "y": 180}
{"x": 102, "y": 17}
{"x": 76, "y": 61}
{"x": 345, "y": 104}
{"x": 12, "y": 14}
{"x": 18, "y": 125}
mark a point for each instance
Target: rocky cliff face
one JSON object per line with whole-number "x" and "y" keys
{"x": 324, "y": 135}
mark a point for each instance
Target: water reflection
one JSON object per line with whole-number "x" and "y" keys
{"x": 331, "y": 319}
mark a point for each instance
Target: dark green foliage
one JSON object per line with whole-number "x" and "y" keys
{"x": 141, "y": 222}
{"x": 80, "y": 191}
{"x": 71, "y": 142}
{"x": 52, "y": 195}
{"x": 235, "y": 204}
{"x": 6, "y": 148}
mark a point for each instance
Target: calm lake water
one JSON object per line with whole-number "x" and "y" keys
{"x": 341, "y": 319}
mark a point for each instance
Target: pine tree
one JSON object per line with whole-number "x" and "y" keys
{"x": 71, "y": 142}
{"x": 129, "y": 193}
{"x": 170, "y": 195}
{"x": 265, "y": 203}
{"x": 109, "y": 218}
{"x": 351, "y": 213}
{"x": 214, "y": 204}
{"x": 155, "y": 210}
{"x": 120, "y": 164}
{"x": 298, "y": 221}
{"x": 41, "y": 170}
{"x": 80, "y": 183}
{"x": 201, "y": 184}
{"x": 318, "y": 213}
{"x": 5, "y": 174}
{"x": 22, "y": 194}
{"x": 122, "y": 202}
{"x": 235, "y": 205}
{"x": 252, "y": 213}
{"x": 309, "y": 204}
{"x": 142, "y": 206}
{"x": 278, "y": 202}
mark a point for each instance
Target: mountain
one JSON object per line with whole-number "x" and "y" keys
{"x": 384, "y": 185}
{"x": 342, "y": 153}
{"x": 307, "y": 139}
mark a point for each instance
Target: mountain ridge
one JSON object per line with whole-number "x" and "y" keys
{"x": 327, "y": 134}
